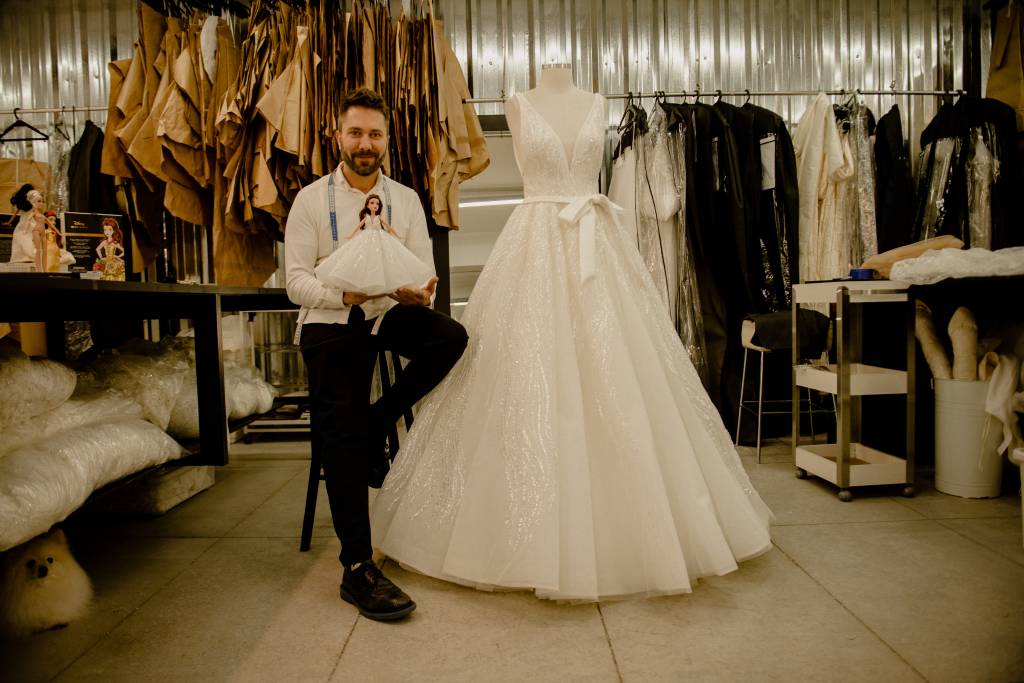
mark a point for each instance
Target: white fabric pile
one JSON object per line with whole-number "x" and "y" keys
{"x": 43, "y": 482}
{"x": 55, "y": 451}
{"x": 939, "y": 264}
{"x": 245, "y": 394}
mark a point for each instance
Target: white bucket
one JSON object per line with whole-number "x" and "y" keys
{"x": 967, "y": 462}
{"x": 1017, "y": 458}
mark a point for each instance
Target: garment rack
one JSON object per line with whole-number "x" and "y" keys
{"x": 52, "y": 110}
{"x": 752, "y": 93}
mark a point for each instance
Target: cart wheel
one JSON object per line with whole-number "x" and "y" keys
{"x": 801, "y": 473}
{"x": 908, "y": 492}
{"x": 846, "y": 495}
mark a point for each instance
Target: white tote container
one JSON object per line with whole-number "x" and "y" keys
{"x": 967, "y": 462}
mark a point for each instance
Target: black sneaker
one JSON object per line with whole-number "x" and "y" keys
{"x": 373, "y": 594}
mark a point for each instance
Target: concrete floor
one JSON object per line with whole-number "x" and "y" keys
{"x": 883, "y": 588}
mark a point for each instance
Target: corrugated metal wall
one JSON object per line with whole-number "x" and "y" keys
{"x": 732, "y": 45}
{"x": 55, "y": 52}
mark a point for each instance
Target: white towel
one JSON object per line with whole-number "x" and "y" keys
{"x": 999, "y": 402}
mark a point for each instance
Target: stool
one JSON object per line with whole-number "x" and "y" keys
{"x": 747, "y": 332}
{"x": 316, "y": 470}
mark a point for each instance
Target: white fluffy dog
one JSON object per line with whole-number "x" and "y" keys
{"x": 43, "y": 587}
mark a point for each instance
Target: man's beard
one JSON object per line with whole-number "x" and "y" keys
{"x": 362, "y": 163}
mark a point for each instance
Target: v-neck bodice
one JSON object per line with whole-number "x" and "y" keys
{"x": 546, "y": 167}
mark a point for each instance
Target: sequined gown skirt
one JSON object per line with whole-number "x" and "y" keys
{"x": 573, "y": 450}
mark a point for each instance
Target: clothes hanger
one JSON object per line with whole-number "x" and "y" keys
{"x": 718, "y": 96}
{"x": 58, "y": 126}
{"x": 747, "y": 90}
{"x": 17, "y": 125}
{"x": 627, "y": 114}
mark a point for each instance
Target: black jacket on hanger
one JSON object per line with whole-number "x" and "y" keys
{"x": 89, "y": 191}
{"x": 715, "y": 224}
{"x": 748, "y": 155}
{"x": 777, "y": 211}
{"x": 894, "y": 214}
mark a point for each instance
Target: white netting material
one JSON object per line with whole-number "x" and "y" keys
{"x": 245, "y": 394}
{"x": 939, "y": 264}
{"x": 43, "y": 482}
{"x": 30, "y": 387}
{"x": 76, "y": 412}
{"x": 152, "y": 381}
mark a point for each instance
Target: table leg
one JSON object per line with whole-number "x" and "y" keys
{"x": 213, "y": 420}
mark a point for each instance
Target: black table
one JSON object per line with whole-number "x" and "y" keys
{"x": 31, "y": 297}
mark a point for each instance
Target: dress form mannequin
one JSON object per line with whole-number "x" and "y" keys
{"x": 559, "y": 102}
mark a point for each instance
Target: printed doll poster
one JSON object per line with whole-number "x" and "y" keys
{"x": 98, "y": 243}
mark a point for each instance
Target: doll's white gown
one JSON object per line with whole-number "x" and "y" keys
{"x": 372, "y": 262}
{"x": 572, "y": 450}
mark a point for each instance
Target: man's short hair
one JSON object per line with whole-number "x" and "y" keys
{"x": 363, "y": 97}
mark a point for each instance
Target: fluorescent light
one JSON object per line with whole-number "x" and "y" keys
{"x": 491, "y": 202}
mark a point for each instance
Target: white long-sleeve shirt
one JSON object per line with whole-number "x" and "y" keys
{"x": 307, "y": 240}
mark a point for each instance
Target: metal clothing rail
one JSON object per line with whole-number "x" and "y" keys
{"x": 752, "y": 93}
{"x": 52, "y": 110}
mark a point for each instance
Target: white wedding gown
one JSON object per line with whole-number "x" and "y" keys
{"x": 572, "y": 450}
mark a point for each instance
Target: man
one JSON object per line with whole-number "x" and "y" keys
{"x": 339, "y": 345}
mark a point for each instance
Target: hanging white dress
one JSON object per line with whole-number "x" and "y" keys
{"x": 821, "y": 161}
{"x": 572, "y": 451}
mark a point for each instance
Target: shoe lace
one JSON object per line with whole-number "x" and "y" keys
{"x": 372, "y": 573}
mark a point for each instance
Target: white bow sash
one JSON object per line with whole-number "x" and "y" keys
{"x": 582, "y": 212}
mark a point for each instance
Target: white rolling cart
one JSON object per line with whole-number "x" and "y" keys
{"x": 848, "y": 462}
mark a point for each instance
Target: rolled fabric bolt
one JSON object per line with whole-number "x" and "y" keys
{"x": 963, "y": 332}
{"x": 989, "y": 363}
{"x": 934, "y": 354}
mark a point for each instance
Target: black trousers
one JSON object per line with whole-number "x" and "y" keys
{"x": 346, "y": 430}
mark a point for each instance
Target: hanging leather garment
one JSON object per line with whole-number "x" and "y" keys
{"x": 114, "y": 160}
{"x": 462, "y": 150}
{"x": 894, "y": 214}
{"x": 777, "y": 202}
{"x": 714, "y": 217}
{"x": 179, "y": 129}
{"x": 1006, "y": 67}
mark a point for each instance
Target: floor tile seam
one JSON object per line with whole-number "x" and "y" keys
{"x": 961, "y": 519}
{"x": 344, "y": 646}
{"x": 138, "y": 607}
{"x": 611, "y": 646}
{"x": 134, "y": 610}
{"x": 252, "y": 512}
{"x": 860, "y": 522}
{"x": 351, "y": 631}
{"x": 849, "y": 611}
{"x": 908, "y": 503}
{"x": 979, "y": 543}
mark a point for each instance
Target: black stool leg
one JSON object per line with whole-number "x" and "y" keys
{"x": 316, "y": 475}
{"x": 385, "y": 386}
{"x": 312, "y": 489}
{"x": 397, "y": 362}
{"x": 739, "y": 409}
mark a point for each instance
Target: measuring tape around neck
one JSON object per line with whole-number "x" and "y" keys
{"x": 333, "y": 213}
